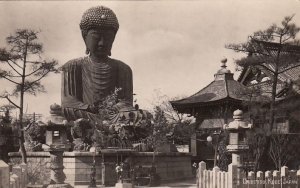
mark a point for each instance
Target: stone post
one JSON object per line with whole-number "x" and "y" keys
{"x": 236, "y": 159}
{"x": 24, "y": 174}
{"x": 17, "y": 170}
{"x": 233, "y": 176}
{"x": 4, "y": 174}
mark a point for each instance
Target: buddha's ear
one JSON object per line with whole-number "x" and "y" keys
{"x": 109, "y": 54}
{"x": 83, "y": 34}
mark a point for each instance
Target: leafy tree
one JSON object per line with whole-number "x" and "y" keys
{"x": 181, "y": 124}
{"x": 24, "y": 68}
{"x": 160, "y": 129}
{"x": 274, "y": 50}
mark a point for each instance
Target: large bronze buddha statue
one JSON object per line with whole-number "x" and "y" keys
{"x": 87, "y": 81}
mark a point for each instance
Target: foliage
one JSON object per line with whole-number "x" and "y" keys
{"x": 181, "y": 125}
{"x": 182, "y": 133}
{"x": 223, "y": 154}
{"x": 36, "y": 133}
{"x": 23, "y": 60}
{"x": 257, "y": 146}
{"x": 38, "y": 172}
{"x": 270, "y": 50}
{"x": 24, "y": 68}
{"x": 160, "y": 129}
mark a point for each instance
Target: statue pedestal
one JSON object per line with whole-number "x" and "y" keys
{"x": 124, "y": 185}
{"x": 59, "y": 186}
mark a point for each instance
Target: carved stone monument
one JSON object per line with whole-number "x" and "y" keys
{"x": 237, "y": 137}
{"x": 56, "y": 139}
{"x": 97, "y": 91}
{"x": 87, "y": 81}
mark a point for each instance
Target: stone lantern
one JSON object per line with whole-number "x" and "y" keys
{"x": 56, "y": 129}
{"x": 237, "y": 136}
{"x": 56, "y": 139}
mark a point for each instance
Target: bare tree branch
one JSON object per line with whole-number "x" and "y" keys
{"x": 5, "y": 77}
{"x": 288, "y": 69}
{"x": 7, "y": 98}
{"x": 16, "y": 64}
{"x": 13, "y": 68}
{"x": 33, "y": 82}
{"x": 29, "y": 74}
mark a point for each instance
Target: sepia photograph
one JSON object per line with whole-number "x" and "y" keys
{"x": 157, "y": 93}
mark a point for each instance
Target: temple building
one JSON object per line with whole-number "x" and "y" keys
{"x": 213, "y": 107}
{"x": 287, "y": 99}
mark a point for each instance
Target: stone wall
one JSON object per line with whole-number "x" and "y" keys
{"x": 169, "y": 166}
{"x": 77, "y": 165}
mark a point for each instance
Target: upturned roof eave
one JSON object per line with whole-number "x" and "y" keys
{"x": 208, "y": 103}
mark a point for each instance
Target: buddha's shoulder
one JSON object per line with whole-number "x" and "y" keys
{"x": 121, "y": 64}
{"x": 75, "y": 62}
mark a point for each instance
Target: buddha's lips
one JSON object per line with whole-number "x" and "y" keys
{"x": 102, "y": 49}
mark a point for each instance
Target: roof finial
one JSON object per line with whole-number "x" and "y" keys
{"x": 223, "y": 61}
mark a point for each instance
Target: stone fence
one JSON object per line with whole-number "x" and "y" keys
{"x": 78, "y": 165}
{"x": 13, "y": 177}
{"x": 236, "y": 178}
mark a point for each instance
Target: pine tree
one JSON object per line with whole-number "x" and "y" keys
{"x": 24, "y": 69}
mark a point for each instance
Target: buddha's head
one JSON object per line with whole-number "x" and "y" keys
{"x": 99, "y": 26}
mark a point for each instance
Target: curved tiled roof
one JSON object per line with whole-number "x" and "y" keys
{"x": 223, "y": 87}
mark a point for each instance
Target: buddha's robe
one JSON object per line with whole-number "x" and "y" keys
{"x": 86, "y": 84}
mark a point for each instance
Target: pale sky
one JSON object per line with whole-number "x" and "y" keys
{"x": 173, "y": 46}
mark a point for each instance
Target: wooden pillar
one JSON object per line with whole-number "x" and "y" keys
{"x": 260, "y": 178}
{"x": 215, "y": 176}
{"x": 102, "y": 170}
{"x": 293, "y": 178}
{"x": 268, "y": 178}
{"x": 284, "y": 171}
{"x": 200, "y": 175}
{"x": 276, "y": 179}
{"x": 251, "y": 178}
{"x": 298, "y": 178}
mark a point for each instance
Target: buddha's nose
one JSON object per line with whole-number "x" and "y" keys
{"x": 101, "y": 41}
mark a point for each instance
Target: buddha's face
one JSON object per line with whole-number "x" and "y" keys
{"x": 99, "y": 42}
